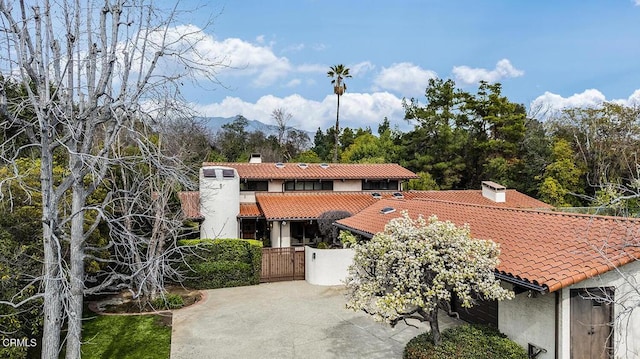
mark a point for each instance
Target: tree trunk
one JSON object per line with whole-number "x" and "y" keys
{"x": 52, "y": 307}
{"x": 76, "y": 273}
{"x": 337, "y": 132}
{"x": 435, "y": 327}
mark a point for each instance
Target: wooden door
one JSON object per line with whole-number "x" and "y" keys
{"x": 591, "y": 316}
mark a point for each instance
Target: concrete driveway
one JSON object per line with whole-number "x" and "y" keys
{"x": 284, "y": 320}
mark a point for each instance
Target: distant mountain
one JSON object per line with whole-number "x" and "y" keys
{"x": 215, "y": 124}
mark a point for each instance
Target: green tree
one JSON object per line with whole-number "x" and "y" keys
{"x": 323, "y": 143}
{"x": 561, "y": 181}
{"x": 437, "y": 143}
{"x": 415, "y": 267}
{"x": 424, "y": 182}
{"x": 338, "y": 73}
{"x": 232, "y": 140}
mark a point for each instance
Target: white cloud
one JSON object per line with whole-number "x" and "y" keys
{"x": 238, "y": 57}
{"x": 404, "y": 78}
{"x": 549, "y": 104}
{"x": 293, "y": 83}
{"x": 294, "y": 48}
{"x": 468, "y": 75}
{"x": 356, "y": 109}
{"x": 361, "y": 68}
{"x": 637, "y": 2}
{"x": 321, "y": 69}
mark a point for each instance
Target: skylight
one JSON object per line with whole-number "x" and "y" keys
{"x": 398, "y": 195}
{"x": 387, "y": 210}
{"x": 376, "y": 195}
{"x": 324, "y": 165}
{"x": 303, "y": 165}
{"x": 280, "y": 165}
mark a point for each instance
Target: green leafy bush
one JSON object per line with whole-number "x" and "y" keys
{"x": 466, "y": 341}
{"x": 169, "y": 301}
{"x": 220, "y": 263}
{"x": 323, "y": 245}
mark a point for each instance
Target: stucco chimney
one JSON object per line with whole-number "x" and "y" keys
{"x": 494, "y": 191}
{"x": 255, "y": 158}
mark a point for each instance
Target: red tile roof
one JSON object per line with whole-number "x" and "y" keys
{"x": 514, "y": 199}
{"x": 250, "y": 210}
{"x": 190, "y": 204}
{"x": 267, "y": 171}
{"x": 310, "y": 205}
{"x": 544, "y": 248}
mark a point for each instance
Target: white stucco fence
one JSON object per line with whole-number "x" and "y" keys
{"x": 326, "y": 266}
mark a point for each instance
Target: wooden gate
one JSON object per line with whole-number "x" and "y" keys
{"x": 280, "y": 264}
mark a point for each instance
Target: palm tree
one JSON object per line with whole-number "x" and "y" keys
{"x": 338, "y": 73}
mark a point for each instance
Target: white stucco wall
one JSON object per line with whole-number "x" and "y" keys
{"x": 626, "y": 284}
{"x": 532, "y": 320}
{"x": 526, "y": 319}
{"x": 276, "y": 239}
{"x": 219, "y": 204}
{"x": 248, "y": 197}
{"x": 347, "y": 185}
{"x": 275, "y": 185}
{"x": 326, "y": 266}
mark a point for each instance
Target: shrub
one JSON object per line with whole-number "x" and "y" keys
{"x": 465, "y": 341}
{"x": 323, "y": 245}
{"x": 220, "y": 263}
{"x": 169, "y": 301}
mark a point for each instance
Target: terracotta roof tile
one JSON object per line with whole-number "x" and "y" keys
{"x": 550, "y": 248}
{"x": 268, "y": 171}
{"x": 310, "y": 205}
{"x": 190, "y": 204}
{"x": 249, "y": 210}
{"x": 514, "y": 199}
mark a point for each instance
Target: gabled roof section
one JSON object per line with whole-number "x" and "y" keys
{"x": 190, "y": 204}
{"x": 250, "y": 210}
{"x": 547, "y": 249}
{"x": 332, "y": 171}
{"x": 514, "y": 199}
{"x": 310, "y": 205}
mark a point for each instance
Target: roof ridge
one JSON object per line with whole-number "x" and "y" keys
{"x": 534, "y": 210}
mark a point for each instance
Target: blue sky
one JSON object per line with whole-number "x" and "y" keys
{"x": 546, "y": 54}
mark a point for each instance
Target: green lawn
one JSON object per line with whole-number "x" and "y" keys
{"x": 126, "y": 336}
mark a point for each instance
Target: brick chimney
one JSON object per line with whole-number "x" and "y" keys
{"x": 494, "y": 191}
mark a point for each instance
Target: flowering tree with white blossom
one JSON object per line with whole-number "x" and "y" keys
{"x": 413, "y": 268}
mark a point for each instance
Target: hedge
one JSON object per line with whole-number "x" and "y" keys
{"x": 221, "y": 263}
{"x": 465, "y": 341}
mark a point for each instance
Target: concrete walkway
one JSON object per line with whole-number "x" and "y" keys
{"x": 284, "y": 320}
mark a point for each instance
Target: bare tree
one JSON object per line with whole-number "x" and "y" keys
{"x": 282, "y": 118}
{"x": 88, "y": 70}
{"x": 144, "y": 220}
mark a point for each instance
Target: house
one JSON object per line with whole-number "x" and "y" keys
{"x": 576, "y": 277}
{"x": 281, "y": 202}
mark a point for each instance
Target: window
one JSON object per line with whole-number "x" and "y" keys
{"x": 379, "y": 185}
{"x": 209, "y": 172}
{"x": 308, "y": 186}
{"x": 254, "y": 186}
{"x": 228, "y": 173}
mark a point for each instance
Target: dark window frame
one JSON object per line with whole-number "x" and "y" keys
{"x": 378, "y": 185}
{"x": 254, "y": 186}
{"x": 308, "y": 185}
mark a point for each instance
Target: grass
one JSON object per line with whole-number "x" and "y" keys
{"x": 126, "y": 336}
